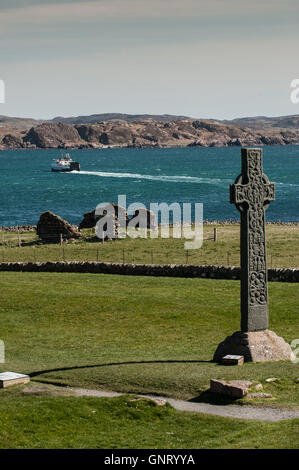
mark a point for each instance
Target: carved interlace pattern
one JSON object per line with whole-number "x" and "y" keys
{"x": 254, "y": 195}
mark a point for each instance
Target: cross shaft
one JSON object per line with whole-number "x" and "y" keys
{"x": 251, "y": 194}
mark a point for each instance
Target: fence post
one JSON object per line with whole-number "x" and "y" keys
{"x": 187, "y": 254}
{"x": 215, "y": 234}
{"x": 34, "y": 252}
{"x": 61, "y": 239}
{"x": 97, "y": 254}
{"x": 19, "y": 239}
{"x": 123, "y": 256}
{"x": 152, "y": 257}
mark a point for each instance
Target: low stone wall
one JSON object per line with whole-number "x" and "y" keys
{"x": 18, "y": 228}
{"x": 169, "y": 270}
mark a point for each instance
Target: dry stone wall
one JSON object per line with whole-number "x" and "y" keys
{"x": 168, "y": 270}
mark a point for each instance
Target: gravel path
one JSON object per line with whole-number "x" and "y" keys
{"x": 228, "y": 411}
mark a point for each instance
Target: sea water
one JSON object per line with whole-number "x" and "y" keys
{"x": 183, "y": 175}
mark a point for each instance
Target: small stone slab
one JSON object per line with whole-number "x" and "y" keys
{"x": 260, "y": 395}
{"x": 258, "y": 387}
{"x": 158, "y": 401}
{"x": 233, "y": 389}
{"x": 7, "y": 379}
{"x": 271, "y": 379}
{"x": 233, "y": 360}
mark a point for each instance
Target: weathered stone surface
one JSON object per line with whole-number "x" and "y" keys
{"x": 90, "y": 218}
{"x": 117, "y": 220}
{"x": 142, "y": 218}
{"x": 271, "y": 379}
{"x": 53, "y": 135}
{"x": 145, "y": 218}
{"x": 11, "y": 142}
{"x": 251, "y": 194}
{"x": 51, "y": 227}
{"x": 233, "y": 389}
{"x": 258, "y": 387}
{"x": 256, "y": 346}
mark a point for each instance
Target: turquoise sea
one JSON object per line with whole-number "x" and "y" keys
{"x": 28, "y": 187}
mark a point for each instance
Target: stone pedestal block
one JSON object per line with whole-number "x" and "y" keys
{"x": 255, "y": 346}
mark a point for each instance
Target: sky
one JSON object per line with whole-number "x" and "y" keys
{"x": 219, "y": 59}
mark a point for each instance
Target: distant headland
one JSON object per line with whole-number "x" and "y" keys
{"x": 145, "y": 131}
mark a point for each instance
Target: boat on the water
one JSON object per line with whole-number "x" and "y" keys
{"x": 65, "y": 163}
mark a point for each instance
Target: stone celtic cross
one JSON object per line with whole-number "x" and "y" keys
{"x": 251, "y": 194}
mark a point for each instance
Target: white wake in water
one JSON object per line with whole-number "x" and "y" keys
{"x": 173, "y": 179}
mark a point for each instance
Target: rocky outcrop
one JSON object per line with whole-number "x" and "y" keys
{"x": 53, "y": 135}
{"x": 146, "y": 133}
{"x": 11, "y": 142}
{"x": 116, "y": 217}
{"x": 89, "y": 220}
{"x": 145, "y": 218}
{"x": 50, "y": 228}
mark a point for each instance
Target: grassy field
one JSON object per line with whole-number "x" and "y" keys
{"x": 282, "y": 245}
{"x": 68, "y": 422}
{"x": 137, "y": 334}
{"x": 134, "y": 334}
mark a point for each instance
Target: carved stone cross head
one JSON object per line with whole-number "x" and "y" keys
{"x": 252, "y": 187}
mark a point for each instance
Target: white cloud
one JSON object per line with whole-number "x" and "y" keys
{"x": 124, "y": 10}
{"x": 222, "y": 81}
{"x": 221, "y": 58}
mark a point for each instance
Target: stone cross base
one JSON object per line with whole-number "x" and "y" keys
{"x": 255, "y": 346}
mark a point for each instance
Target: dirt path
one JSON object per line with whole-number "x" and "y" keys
{"x": 228, "y": 411}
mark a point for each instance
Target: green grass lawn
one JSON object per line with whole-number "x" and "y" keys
{"x": 282, "y": 244}
{"x": 136, "y": 334}
{"x": 123, "y": 423}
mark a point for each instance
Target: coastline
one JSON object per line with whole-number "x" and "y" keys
{"x": 143, "y": 134}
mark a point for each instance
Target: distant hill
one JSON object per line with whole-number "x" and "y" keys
{"x": 146, "y": 130}
{"x": 264, "y": 122}
{"x": 19, "y": 123}
{"x": 93, "y": 118}
{"x": 256, "y": 122}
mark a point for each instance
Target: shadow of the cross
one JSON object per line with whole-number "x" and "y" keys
{"x": 213, "y": 399}
{"x": 109, "y": 364}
